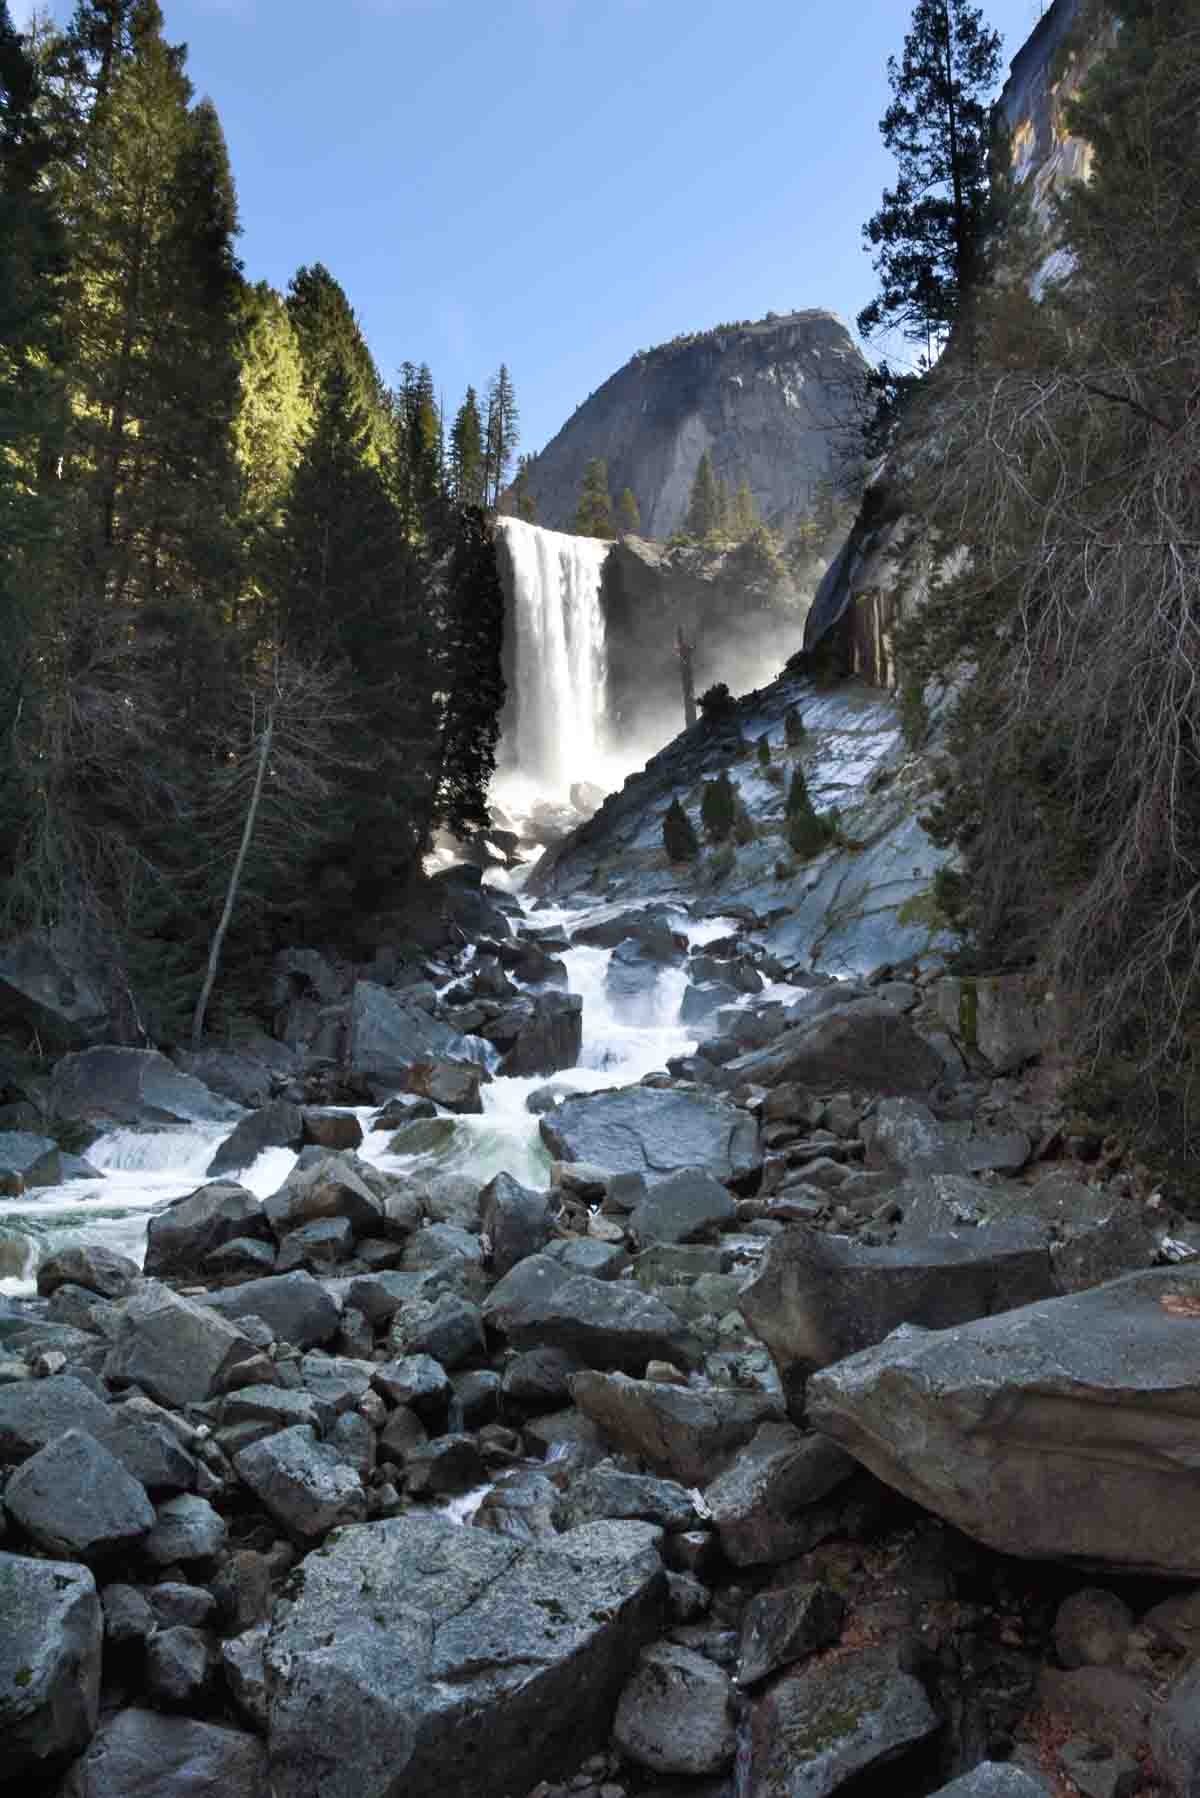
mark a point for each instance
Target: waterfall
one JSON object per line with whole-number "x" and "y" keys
{"x": 557, "y": 657}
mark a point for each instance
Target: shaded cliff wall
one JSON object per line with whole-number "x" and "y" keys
{"x": 766, "y": 400}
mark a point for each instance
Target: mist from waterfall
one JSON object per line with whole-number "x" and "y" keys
{"x": 558, "y": 659}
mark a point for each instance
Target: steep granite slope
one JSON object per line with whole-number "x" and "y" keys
{"x": 764, "y": 399}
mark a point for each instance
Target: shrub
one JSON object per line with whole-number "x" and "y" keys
{"x": 793, "y": 727}
{"x": 744, "y": 829}
{"x": 718, "y": 704}
{"x": 764, "y": 752}
{"x": 679, "y": 839}
{"x": 718, "y": 807}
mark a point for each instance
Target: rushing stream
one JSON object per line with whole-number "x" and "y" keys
{"x": 143, "y": 1170}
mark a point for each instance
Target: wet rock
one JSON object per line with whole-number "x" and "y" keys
{"x": 50, "y": 1650}
{"x": 307, "y": 1488}
{"x": 295, "y": 1306}
{"x": 133, "y": 1086}
{"x": 457, "y": 1658}
{"x": 549, "y": 1039}
{"x": 684, "y": 1207}
{"x": 681, "y": 1432}
{"x": 142, "y": 1754}
{"x": 1092, "y": 1629}
{"x": 27, "y": 1160}
{"x": 785, "y": 1626}
{"x": 1069, "y": 1428}
{"x": 642, "y": 1130}
{"x": 676, "y": 1713}
{"x": 816, "y": 1729}
{"x": 654, "y": 929}
{"x": 519, "y": 1505}
{"x": 186, "y": 1529}
{"x": 425, "y": 1136}
{"x": 454, "y": 1084}
{"x": 440, "y": 1469}
{"x": 322, "y": 1186}
{"x": 74, "y": 1499}
{"x": 180, "y": 1238}
{"x": 819, "y": 1298}
{"x": 759, "y": 1506}
{"x": 277, "y": 1126}
{"x": 328, "y": 1129}
{"x": 515, "y": 1220}
{"x": 602, "y": 1322}
{"x": 91, "y": 1266}
{"x": 244, "y": 1075}
{"x": 389, "y": 1035}
{"x": 178, "y": 1351}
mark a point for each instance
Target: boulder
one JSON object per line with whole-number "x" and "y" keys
{"x": 783, "y": 1626}
{"x": 245, "y": 1075}
{"x": 819, "y": 1298}
{"x": 1069, "y": 1429}
{"x": 1008, "y": 1018}
{"x": 178, "y": 1351}
{"x": 146, "y": 1441}
{"x": 75, "y": 1499}
{"x": 328, "y": 1129}
{"x": 550, "y": 1040}
{"x": 35, "y": 1412}
{"x": 50, "y": 1650}
{"x": 178, "y": 1667}
{"x": 653, "y": 929}
{"x": 607, "y": 1491}
{"x": 316, "y": 1246}
{"x": 453, "y": 1084}
{"x": 903, "y": 1137}
{"x": 446, "y": 1328}
{"x": 29, "y": 1160}
{"x": 1175, "y": 1734}
{"x": 143, "y": 1754}
{"x": 761, "y": 1505}
{"x": 864, "y": 1043}
{"x": 996, "y": 1779}
{"x": 515, "y": 1220}
{"x": 277, "y": 1126}
{"x": 643, "y": 1130}
{"x": 91, "y": 1266}
{"x": 389, "y": 1034}
{"x": 448, "y": 1663}
{"x": 304, "y": 1483}
{"x": 322, "y": 1186}
{"x": 814, "y": 1730}
{"x": 603, "y": 1322}
{"x": 295, "y": 1306}
{"x": 180, "y": 1237}
{"x": 185, "y": 1529}
{"x": 681, "y": 1432}
{"x": 682, "y": 1208}
{"x": 133, "y": 1086}
{"x": 46, "y": 989}
{"x": 676, "y": 1714}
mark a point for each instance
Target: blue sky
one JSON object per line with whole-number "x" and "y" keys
{"x": 554, "y": 183}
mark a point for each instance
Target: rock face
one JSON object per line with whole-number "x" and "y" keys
{"x": 637, "y": 1130}
{"x": 1068, "y": 1429}
{"x": 133, "y": 1086}
{"x": 759, "y": 397}
{"x": 448, "y": 1663}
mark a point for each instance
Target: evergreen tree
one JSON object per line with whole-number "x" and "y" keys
{"x": 679, "y": 838}
{"x": 419, "y": 446}
{"x": 718, "y": 807}
{"x": 466, "y": 453}
{"x": 523, "y": 502}
{"x": 927, "y": 233}
{"x": 469, "y": 678}
{"x": 724, "y": 507}
{"x": 763, "y": 751}
{"x": 744, "y": 513}
{"x": 704, "y": 505}
{"x": 501, "y": 436}
{"x": 593, "y": 514}
{"x": 270, "y": 427}
{"x": 629, "y": 517}
{"x": 328, "y": 329}
{"x": 807, "y": 833}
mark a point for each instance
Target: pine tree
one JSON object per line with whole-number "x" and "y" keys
{"x": 524, "y": 502}
{"x": 593, "y": 514}
{"x": 763, "y": 751}
{"x": 466, "y": 453}
{"x": 807, "y": 833}
{"x": 744, "y": 513}
{"x": 794, "y": 732}
{"x": 703, "y": 513}
{"x": 419, "y": 456}
{"x": 679, "y": 838}
{"x": 927, "y": 233}
{"x": 718, "y": 807}
{"x": 629, "y": 517}
{"x": 327, "y": 328}
{"x": 270, "y": 427}
{"x": 501, "y": 436}
{"x": 724, "y": 507}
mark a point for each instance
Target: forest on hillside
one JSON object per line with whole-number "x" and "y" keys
{"x": 249, "y": 603}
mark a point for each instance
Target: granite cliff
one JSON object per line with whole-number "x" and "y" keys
{"x": 764, "y": 399}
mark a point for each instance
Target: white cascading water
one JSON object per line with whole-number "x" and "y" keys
{"x": 559, "y": 656}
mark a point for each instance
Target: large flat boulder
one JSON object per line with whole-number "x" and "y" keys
{"x": 50, "y": 1648}
{"x": 140, "y": 1754}
{"x": 448, "y": 1663}
{"x": 819, "y": 1298}
{"x": 603, "y": 1323}
{"x": 133, "y": 1086}
{"x": 389, "y": 1035}
{"x": 866, "y": 1044}
{"x": 644, "y": 1130}
{"x": 684, "y": 1433}
{"x": 682, "y": 1208}
{"x": 1067, "y": 1430}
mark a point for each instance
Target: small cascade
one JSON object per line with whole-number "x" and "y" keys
{"x": 558, "y": 662}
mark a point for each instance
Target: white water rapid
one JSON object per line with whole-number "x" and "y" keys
{"x": 558, "y": 657}
{"x": 143, "y": 1170}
